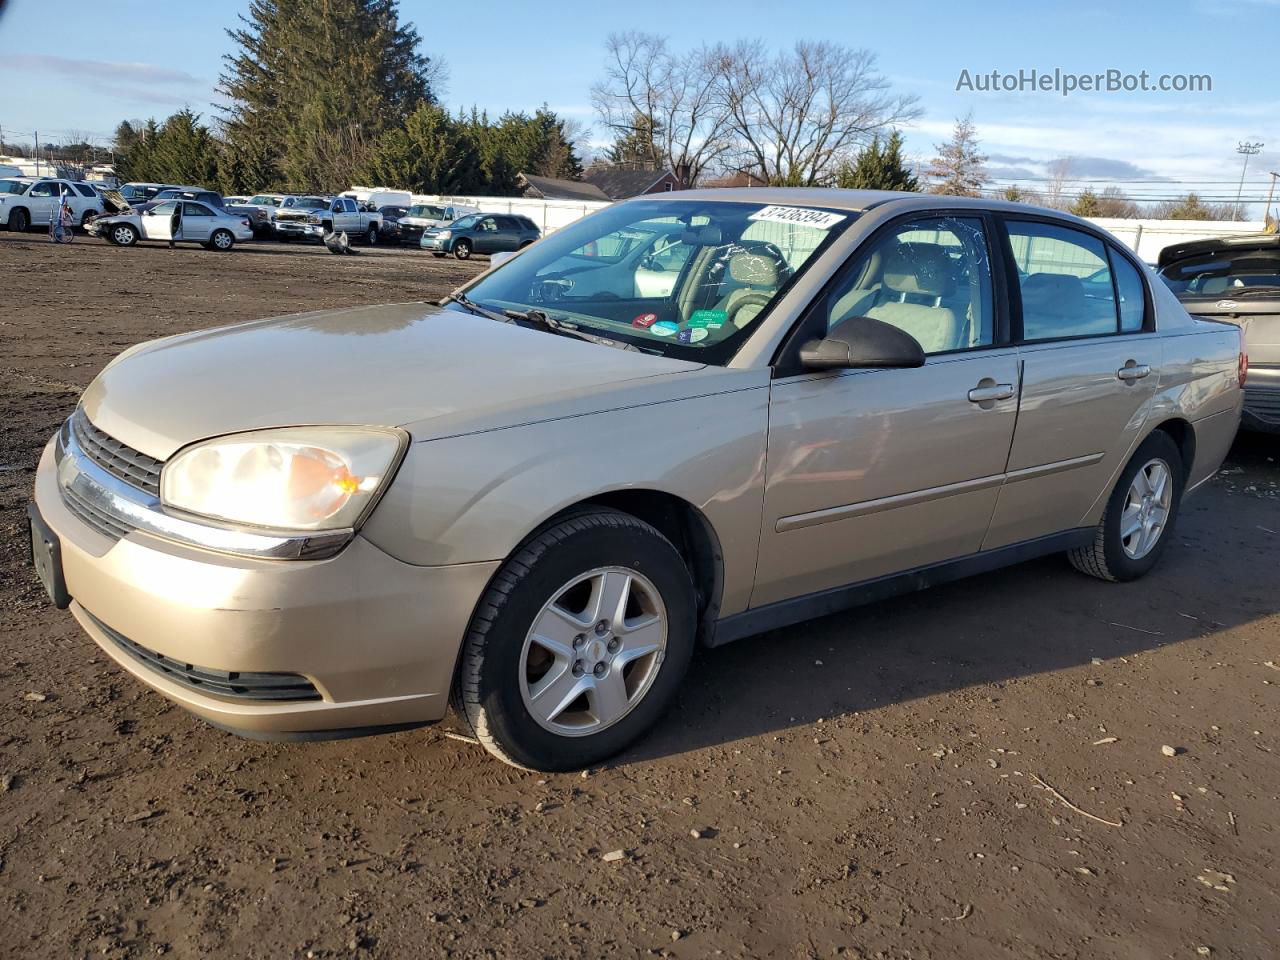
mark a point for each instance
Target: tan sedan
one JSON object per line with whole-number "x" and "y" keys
{"x": 683, "y": 419}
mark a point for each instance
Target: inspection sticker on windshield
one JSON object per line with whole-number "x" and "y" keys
{"x": 800, "y": 216}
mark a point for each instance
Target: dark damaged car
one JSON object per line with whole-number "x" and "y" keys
{"x": 1237, "y": 279}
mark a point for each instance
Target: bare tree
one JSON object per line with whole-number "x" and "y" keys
{"x": 797, "y": 115}
{"x": 1113, "y": 203}
{"x": 1055, "y": 188}
{"x": 671, "y": 98}
{"x": 959, "y": 169}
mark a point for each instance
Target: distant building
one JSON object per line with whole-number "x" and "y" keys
{"x": 549, "y": 188}
{"x": 622, "y": 182}
{"x": 739, "y": 178}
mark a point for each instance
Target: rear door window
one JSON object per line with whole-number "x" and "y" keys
{"x": 1064, "y": 278}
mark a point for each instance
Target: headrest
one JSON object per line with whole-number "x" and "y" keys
{"x": 1053, "y": 293}
{"x": 707, "y": 235}
{"x": 918, "y": 268}
{"x": 753, "y": 269}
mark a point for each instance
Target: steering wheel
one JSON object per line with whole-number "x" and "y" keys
{"x": 751, "y": 299}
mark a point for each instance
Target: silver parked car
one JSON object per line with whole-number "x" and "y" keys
{"x": 540, "y": 495}
{"x": 175, "y": 221}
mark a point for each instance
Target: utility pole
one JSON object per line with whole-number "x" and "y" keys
{"x": 1270, "y": 193}
{"x": 1247, "y": 150}
{"x": 37, "y": 153}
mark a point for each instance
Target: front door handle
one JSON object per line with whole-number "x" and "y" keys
{"x": 1133, "y": 371}
{"x": 986, "y": 392}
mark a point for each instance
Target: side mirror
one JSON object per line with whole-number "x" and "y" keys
{"x": 860, "y": 342}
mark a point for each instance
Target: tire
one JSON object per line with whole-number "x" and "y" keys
{"x": 87, "y": 218}
{"x": 123, "y": 235}
{"x": 222, "y": 240}
{"x": 462, "y": 249}
{"x": 579, "y": 558}
{"x": 19, "y": 220}
{"x": 1115, "y": 556}
{"x": 371, "y": 238}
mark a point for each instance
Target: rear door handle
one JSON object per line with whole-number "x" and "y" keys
{"x": 1133, "y": 371}
{"x": 988, "y": 392}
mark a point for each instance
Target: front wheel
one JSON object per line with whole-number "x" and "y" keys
{"x": 19, "y": 221}
{"x": 371, "y": 238}
{"x": 462, "y": 250}
{"x": 579, "y": 643}
{"x": 1139, "y": 517}
{"x": 122, "y": 234}
{"x": 222, "y": 240}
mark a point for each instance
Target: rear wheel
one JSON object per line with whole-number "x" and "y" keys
{"x": 19, "y": 221}
{"x": 371, "y": 238}
{"x": 1137, "y": 523}
{"x": 123, "y": 234}
{"x": 462, "y": 249}
{"x": 579, "y": 643}
{"x": 222, "y": 240}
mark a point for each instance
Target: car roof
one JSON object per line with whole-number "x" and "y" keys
{"x": 855, "y": 201}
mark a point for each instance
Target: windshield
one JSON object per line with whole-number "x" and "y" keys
{"x": 686, "y": 278}
{"x": 1224, "y": 273}
{"x": 465, "y": 223}
{"x": 426, "y": 211}
{"x": 264, "y": 201}
{"x": 12, "y": 186}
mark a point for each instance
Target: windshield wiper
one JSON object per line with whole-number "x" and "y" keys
{"x": 467, "y": 303}
{"x": 565, "y": 328}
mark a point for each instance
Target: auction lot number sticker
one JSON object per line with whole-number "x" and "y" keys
{"x": 800, "y": 216}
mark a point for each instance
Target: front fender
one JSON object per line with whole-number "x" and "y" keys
{"x": 476, "y": 497}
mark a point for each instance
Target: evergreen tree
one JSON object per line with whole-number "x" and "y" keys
{"x": 1087, "y": 204}
{"x": 958, "y": 168}
{"x": 636, "y": 145}
{"x": 133, "y": 147}
{"x": 184, "y": 152}
{"x": 878, "y": 166}
{"x": 431, "y": 153}
{"x": 310, "y": 75}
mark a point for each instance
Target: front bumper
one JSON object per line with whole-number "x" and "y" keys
{"x": 436, "y": 244}
{"x": 297, "y": 228}
{"x": 375, "y": 638}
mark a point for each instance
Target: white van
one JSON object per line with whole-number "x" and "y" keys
{"x": 425, "y": 216}
{"x": 379, "y": 197}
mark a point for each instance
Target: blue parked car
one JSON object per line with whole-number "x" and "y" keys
{"x": 481, "y": 233}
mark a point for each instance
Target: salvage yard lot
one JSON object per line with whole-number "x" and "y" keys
{"x": 925, "y": 777}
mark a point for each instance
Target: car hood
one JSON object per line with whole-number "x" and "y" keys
{"x": 433, "y": 371}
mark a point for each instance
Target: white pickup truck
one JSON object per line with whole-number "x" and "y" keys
{"x": 312, "y": 220}
{"x": 32, "y": 201}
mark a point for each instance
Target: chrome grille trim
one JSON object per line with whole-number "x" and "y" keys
{"x": 118, "y": 459}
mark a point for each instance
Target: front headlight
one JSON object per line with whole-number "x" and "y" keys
{"x": 296, "y": 478}
{"x": 445, "y": 234}
{"x": 313, "y": 219}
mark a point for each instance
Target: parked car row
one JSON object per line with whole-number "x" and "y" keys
{"x": 178, "y": 213}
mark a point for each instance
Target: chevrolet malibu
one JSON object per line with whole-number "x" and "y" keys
{"x": 538, "y": 496}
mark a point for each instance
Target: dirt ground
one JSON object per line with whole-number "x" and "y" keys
{"x": 930, "y": 777}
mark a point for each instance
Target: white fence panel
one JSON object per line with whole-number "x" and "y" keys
{"x": 1147, "y": 238}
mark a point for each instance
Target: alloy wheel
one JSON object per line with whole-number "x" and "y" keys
{"x": 593, "y": 651}
{"x": 1146, "y": 509}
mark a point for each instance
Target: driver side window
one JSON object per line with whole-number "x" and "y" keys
{"x": 930, "y": 278}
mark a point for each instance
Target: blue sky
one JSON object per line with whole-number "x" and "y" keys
{"x": 506, "y": 55}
